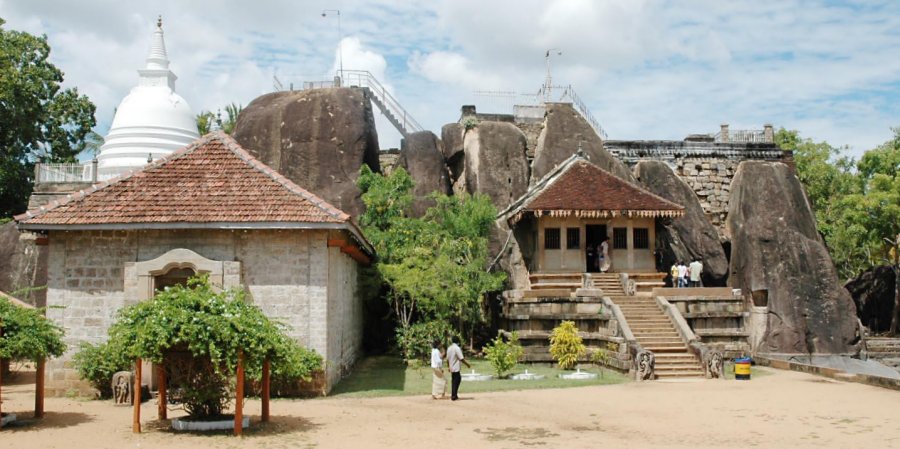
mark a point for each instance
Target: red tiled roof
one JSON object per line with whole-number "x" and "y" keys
{"x": 213, "y": 180}
{"x": 585, "y": 190}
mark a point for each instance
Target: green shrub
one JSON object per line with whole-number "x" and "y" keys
{"x": 97, "y": 364}
{"x": 504, "y": 355}
{"x": 414, "y": 341}
{"x": 565, "y": 345}
{"x": 27, "y": 334}
{"x": 198, "y": 334}
{"x": 469, "y": 123}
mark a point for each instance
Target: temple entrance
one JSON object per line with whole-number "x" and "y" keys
{"x": 593, "y": 236}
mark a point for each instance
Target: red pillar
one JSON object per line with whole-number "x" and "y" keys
{"x": 39, "y": 389}
{"x": 239, "y": 396}
{"x": 162, "y": 411}
{"x": 136, "y": 396}
{"x": 266, "y": 387}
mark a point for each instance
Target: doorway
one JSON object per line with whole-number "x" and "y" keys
{"x": 593, "y": 236}
{"x": 175, "y": 276}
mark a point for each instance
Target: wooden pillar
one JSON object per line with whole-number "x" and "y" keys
{"x": 39, "y": 388}
{"x": 136, "y": 398}
{"x": 266, "y": 387}
{"x": 239, "y": 396}
{"x": 162, "y": 411}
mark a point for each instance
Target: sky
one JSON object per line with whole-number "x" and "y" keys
{"x": 646, "y": 69}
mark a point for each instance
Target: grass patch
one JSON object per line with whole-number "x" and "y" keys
{"x": 389, "y": 376}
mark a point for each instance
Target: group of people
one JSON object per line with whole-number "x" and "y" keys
{"x": 687, "y": 275}
{"x": 455, "y": 359}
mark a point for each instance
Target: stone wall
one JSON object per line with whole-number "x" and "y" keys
{"x": 286, "y": 273}
{"x": 345, "y": 316}
{"x": 707, "y": 167}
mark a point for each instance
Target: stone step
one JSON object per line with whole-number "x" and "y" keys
{"x": 548, "y": 293}
{"x": 679, "y": 374}
{"x": 546, "y": 285}
{"x": 675, "y": 357}
{"x": 652, "y": 340}
{"x": 665, "y": 348}
{"x": 687, "y": 366}
{"x": 640, "y": 335}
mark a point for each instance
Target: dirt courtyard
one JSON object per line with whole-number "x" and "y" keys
{"x": 781, "y": 410}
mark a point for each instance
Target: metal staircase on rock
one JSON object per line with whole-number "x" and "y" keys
{"x": 386, "y": 103}
{"x": 653, "y": 329}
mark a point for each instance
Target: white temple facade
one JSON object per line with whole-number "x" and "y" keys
{"x": 151, "y": 121}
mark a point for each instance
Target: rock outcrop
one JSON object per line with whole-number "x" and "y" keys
{"x": 317, "y": 138}
{"x": 421, "y": 156}
{"x": 779, "y": 260}
{"x": 23, "y": 265}
{"x": 873, "y": 293}
{"x": 689, "y": 236}
{"x": 564, "y": 128}
{"x": 495, "y": 162}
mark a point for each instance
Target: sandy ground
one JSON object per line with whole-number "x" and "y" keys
{"x": 782, "y": 410}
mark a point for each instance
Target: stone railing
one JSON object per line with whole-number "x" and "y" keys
{"x": 712, "y": 360}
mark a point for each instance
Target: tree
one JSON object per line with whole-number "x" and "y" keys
{"x": 206, "y": 119}
{"x": 434, "y": 267}
{"x": 212, "y": 328}
{"x": 39, "y": 121}
{"x": 27, "y": 334}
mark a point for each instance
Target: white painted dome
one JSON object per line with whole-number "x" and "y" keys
{"x": 151, "y": 121}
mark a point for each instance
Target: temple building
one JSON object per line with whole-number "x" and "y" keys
{"x": 210, "y": 208}
{"x": 563, "y": 218}
{"x": 151, "y": 121}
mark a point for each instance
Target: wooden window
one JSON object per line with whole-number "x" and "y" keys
{"x": 641, "y": 238}
{"x": 573, "y": 238}
{"x": 620, "y": 238}
{"x": 551, "y": 238}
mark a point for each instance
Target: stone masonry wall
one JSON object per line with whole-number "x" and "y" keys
{"x": 708, "y": 167}
{"x": 286, "y": 273}
{"x": 344, "y": 316}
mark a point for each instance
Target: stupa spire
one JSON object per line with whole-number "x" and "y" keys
{"x": 158, "y": 59}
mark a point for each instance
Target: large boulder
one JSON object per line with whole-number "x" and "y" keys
{"x": 779, "y": 260}
{"x": 454, "y": 154}
{"x": 873, "y": 293}
{"x": 23, "y": 265}
{"x": 564, "y": 129}
{"x": 421, "y": 156}
{"x": 317, "y": 138}
{"x": 495, "y": 162}
{"x": 687, "y": 237}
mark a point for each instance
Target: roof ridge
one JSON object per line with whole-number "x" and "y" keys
{"x": 75, "y": 196}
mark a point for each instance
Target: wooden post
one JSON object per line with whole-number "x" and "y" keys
{"x": 266, "y": 382}
{"x": 136, "y": 398}
{"x": 239, "y": 396}
{"x": 39, "y": 389}
{"x": 162, "y": 411}
{"x": 1, "y": 376}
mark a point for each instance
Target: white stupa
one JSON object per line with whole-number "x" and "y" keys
{"x": 152, "y": 121}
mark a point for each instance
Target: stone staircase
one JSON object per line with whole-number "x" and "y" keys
{"x": 885, "y": 350}
{"x": 654, "y": 331}
{"x": 609, "y": 283}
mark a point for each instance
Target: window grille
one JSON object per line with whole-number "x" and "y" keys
{"x": 573, "y": 238}
{"x": 641, "y": 238}
{"x": 620, "y": 238}
{"x": 551, "y": 238}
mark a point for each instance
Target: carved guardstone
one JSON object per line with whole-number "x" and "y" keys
{"x": 646, "y": 364}
{"x": 122, "y": 384}
{"x": 714, "y": 365}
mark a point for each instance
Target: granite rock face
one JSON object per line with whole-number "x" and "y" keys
{"x": 563, "y": 129}
{"x": 689, "y": 236}
{"x": 495, "y": 162}
{"x": 873, "y": 293}
{"x": 779, "y": 260}
{"x": 23, "y": 265}
{"x": 317, "y": 138}
{"x": 421, "y": 156}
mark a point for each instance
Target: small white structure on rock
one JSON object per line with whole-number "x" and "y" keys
{"x": 151, "y": 121}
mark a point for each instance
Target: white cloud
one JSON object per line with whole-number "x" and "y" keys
{"x": 647, "y": 69}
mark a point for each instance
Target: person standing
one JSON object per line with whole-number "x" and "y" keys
{"x": 696, "y": 268}
{"x": 682, "y": 274}
{"x": 673, "y": 272}
{"x": 454, "y": 358}
{"x": 438, "y": 381}
{"x": 603, "y": 251}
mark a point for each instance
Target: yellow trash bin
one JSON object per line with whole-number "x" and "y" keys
{"x": 742, "y": 368}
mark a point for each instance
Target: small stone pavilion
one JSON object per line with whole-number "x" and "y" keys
{"x": 210, "y": 208}
{"x": 562, "y": 219}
